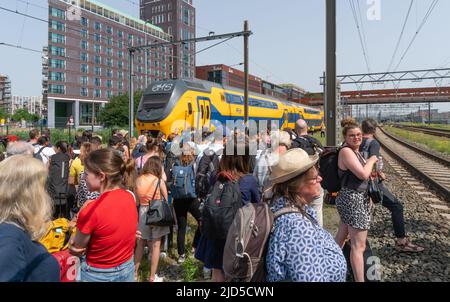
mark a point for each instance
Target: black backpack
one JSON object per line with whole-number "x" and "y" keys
{"x": 220, "y": 207}
{"x": 58, "y": 178}
{"x": 309, "y": 144}
{"x": 328, "y": 169}
{"x": 169, "y": 163}
{"x": 206, "y": 167}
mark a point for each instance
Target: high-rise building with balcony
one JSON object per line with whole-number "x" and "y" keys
{"x": 176, "y": 18}
{"x": 5, "y": 93}
{"x": 87, "y": 59}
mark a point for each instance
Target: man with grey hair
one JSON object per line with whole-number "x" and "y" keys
{"x": 19, "y": 148}
{"x": 312, "y": 146}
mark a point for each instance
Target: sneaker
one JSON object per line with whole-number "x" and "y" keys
{"x": 162, "y": 255}
{"x": 207, "y": 273}
{"x": 181, "y": 259}
{"x": 157, "y": 279}
{"x": 146, "y": 251}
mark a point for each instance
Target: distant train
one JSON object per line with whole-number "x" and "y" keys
{"x": 176, "y": 105}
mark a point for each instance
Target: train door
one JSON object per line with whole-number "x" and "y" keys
{"x": 204, "y": 108}
{"x": 286, "y": 119}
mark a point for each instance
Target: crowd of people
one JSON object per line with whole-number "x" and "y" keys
{"x": 106, "y": 191}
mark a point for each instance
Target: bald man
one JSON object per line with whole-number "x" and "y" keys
{"x": 312, "y": 146}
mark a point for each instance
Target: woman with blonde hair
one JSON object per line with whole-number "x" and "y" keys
{"x": 299, "y": 249}
{"x": 25, "y": 210}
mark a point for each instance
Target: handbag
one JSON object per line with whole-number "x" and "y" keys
{"x": 374, "y": 190}
{"x": 159, "y": 212}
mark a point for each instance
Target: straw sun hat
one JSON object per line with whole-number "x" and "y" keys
{"x": 291, "y": 164}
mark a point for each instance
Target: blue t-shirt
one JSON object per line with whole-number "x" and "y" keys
{"x": 249, "y": 189}
{"x": 22, "y": 260}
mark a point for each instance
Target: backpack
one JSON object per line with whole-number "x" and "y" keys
{"x": 58, "y": 178}
{"x": 38, "y": 155}
{"x": 220, "y": 208}
{"x": 328, "y": 169}
{"x": 183, "y": 182}
{"x": 57, "y": 237}
{"x": 137, "y": 151}
{"x": 247, "y": 242}
{"x": 308, "y": 144}
{"x": 169, "y": 163}
{"x": 206, "y": 167}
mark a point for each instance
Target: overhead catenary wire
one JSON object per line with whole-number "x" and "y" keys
{"x": 355, "y": 17}
{"x": 401, "y": 35}
{"x": 424, "y": 21}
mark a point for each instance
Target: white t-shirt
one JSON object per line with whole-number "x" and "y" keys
{"x": 46, "y": 153}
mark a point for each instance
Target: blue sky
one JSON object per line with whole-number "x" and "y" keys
{"x": 288, "y": 44}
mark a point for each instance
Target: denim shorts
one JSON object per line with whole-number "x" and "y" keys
{"x": 120, "y": 273}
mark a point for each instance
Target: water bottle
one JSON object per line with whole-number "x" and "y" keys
{"x": 379, "y": 164}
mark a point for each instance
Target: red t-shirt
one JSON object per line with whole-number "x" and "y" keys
{"x": 112, "y": 222}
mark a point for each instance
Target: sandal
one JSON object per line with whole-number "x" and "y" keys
{"x": 408, "y": 247}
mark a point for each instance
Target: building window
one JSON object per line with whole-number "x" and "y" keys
{"x": 84, "y": 44}
{"x": 97, "y": 82}
{"x": 56, "y": 89}
{"x": 84, "y": 56}
{"x": 57, "y": 51}
{"x": 120, "y": 53}
{"x": 98, "y": 48}
{"x": 109, "y": 84}
{"x": 98, "y": 93}
{"x": 109, "y": 73}
{"x": 98, "y": 71}
{"x": 58, "y": 13}
{"x": 57, "y": 25}
{"x": 84, "y": 33}
{"x": 120, "y": 74}
{"x": 109, "y": 30}
{"x": 97, "y": 37}
{"x": 85, "y": 110}
{"x": 186, "y": 16}
{"x": 109, "y": 94}
{"x": 57, "y": 76}
{"x": 57, "y": 64}
{"x": 109, "y": 62}
{"x": 98, "y": 60}
{"x": 109, "y": 51}
{"x": 98, "y": 26}
{"x": 84, "y": 68}
{"x": 84, "y": 91}
{"x": 120, "y": 85}
{"x": 84, "y": 21}
{"x": 120, "y": 34}
{"x": 57, "y": 38}
{"x": 84, "y": 80}
{"x": 110, "y": 41}
{"x": 120, "y": 64}
{"x": 120, "y": 44}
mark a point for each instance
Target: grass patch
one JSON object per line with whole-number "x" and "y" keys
{"x": 436, "y": 126}
{"x": 439, "y": 144}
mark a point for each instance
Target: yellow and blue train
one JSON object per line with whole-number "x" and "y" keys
{"x": 173, "y": 106}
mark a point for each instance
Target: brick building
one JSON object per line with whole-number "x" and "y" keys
{"x": 87, "y": 60}
{"x": 5, "y": 93}
{"x": 228, "y": 76}
{"x": 176, "y": 18}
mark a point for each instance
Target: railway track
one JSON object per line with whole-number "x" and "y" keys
{"x": 427, "y": 130}
{"x": 432, "y": 169}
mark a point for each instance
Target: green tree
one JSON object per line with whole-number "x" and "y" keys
{"x": 3, "y": 114}
{"x": 116, "y": 112}
{"x": 22, "y": 114}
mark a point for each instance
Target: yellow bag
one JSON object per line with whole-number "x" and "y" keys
{"x": 57, "y": 237}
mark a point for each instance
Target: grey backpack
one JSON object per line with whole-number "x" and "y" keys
{"x": 246, "y": 246}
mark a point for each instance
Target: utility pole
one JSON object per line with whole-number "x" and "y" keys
{"x": 131, "y": 91}
{"x": 246, "y": 73}
{"x": 330, "y": 80}
{"x": 429, "y": 113}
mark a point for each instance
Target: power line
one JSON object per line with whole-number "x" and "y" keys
{"x": 20, "y": 47}
{"x": 355, "y": 17}
{"x": 363, "y": 32}
{"x": 401, "y": 36}
{"x": 32, "y": 4}
{"x": 425, "y": 19}
{"x": 224, "y": 41}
